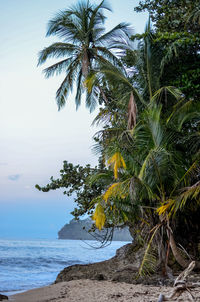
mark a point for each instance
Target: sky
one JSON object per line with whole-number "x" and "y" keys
{"x": 35, "y": 138}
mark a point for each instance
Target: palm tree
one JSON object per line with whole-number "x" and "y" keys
{"x": 84, "y": 45}
{"x": 158, "y": 163}
{"x": 153, "y": 177}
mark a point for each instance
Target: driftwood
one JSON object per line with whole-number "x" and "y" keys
{"x": 181, "y": 285}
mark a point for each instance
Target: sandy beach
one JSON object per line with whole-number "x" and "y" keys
{"x": 95, "y": 291}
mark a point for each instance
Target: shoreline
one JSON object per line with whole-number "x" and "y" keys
{"x": 16, "y": 292}
{"x": 85, "y": 290}
{"x": 109, "y": 280}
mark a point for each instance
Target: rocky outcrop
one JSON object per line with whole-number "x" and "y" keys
{"x": 3, "y": 297}
{"x": 80, "y": 230}
{"x": 123, "y": 267}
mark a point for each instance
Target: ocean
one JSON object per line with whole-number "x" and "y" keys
{"x": 27, "y": 264}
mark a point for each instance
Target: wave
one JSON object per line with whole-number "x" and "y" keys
{"x": 27, "y": 262}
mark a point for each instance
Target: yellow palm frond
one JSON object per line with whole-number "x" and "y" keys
{"x": 111, "y": 191}
{"x": 117, "y": 162}
{"x": 99, "y": 216}
{"x": 165, "y": 207}
{"x": 118, "y": 189}
{"x": 89, "y": 82}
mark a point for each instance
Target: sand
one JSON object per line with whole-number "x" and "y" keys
{"x": 96, "y": 291}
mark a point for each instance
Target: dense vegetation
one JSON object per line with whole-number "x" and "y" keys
{"x": 148, "y": 175}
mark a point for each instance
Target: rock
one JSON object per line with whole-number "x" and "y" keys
{"x": 3, "y": 297}
{"x": 122, "y": 267}
{"x": 80, "y": 230}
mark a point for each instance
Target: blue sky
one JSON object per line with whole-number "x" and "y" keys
{"x": 36, "y": 138}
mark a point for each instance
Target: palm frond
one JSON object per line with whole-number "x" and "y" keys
{"x": 57, "y": 68}
{"x": 117, "y": 162}
{"x": 163, "y": 93}
{"x": 79, "y": 89}
{"x": 90, "y": 81}
{"x": 92, "y": 99}
{"x": 56, "y": 50}
{"x": 99, "y": 216}
{"x": 117, "y": 76}
{"x": 184, "y": 112}
{"x": 150, "y": 128}
{"x": 190, "y": 194}
{"x": 100, "y": 176}
{"x": 158, "y": 170}
{"x": 148, "y": 264}
{"x": 105, "y": 5}
{"x": 120, "y": 30}
{"x": 119, "y": 190}
{"x": 96, "y": 14}
{"x": 106, "y": 57}
{"x": 187, "y": 195}
{"x": 144, "y": 165}
{"x": 67, "y": 84}
{"x": 148, "y": 57}
{"x": 194, "y": 16}
{"x": 105, "y": 117}
{"x": 66, "y": 25}
{"x": 172, "y": 51}
{"x": 191, "y": 172}
{"x": 165, "y": 207}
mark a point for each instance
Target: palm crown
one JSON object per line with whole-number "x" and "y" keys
{"x": 84, "y": 45}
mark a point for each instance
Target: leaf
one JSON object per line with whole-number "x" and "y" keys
{"x": 117, "y": 162}
{"x": 149, "y": 260}
{"x": 117, "y": 190}
{"x": 192, "y": 192}
{"x": 164, "y": 91}
{"x": 165, "y": 206}
{"x": 112, "y": 190}
{"x": 99, "y": 216}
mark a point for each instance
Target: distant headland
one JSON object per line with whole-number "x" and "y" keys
{"x": 79, "y": 230}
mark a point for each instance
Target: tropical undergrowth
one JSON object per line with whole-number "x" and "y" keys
{"x": 148, "y": 175}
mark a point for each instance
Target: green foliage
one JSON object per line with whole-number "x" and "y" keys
{"x": 149, "y": 261}
{"x": 75, "y": 182}
{"x": 177, "y": 32}
{"x": 172, "y": 15}
{"x": 153, "y": 176}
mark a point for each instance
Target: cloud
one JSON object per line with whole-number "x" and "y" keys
{"x": 14, "y": 177}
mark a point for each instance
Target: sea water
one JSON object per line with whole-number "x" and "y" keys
{"x": 27, "y": 264}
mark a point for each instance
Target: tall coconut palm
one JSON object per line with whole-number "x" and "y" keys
{"x": 84, "y": 44}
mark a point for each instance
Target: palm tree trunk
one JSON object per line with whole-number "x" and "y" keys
{"x": 132, "y": 112}
{"x": 85, "y": 64}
